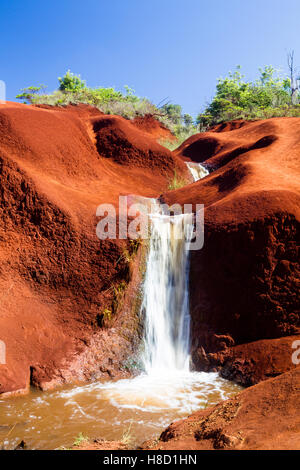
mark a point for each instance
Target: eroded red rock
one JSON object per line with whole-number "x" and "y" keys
{"x": 262, "y": 417}
{"x": 56, "y": 276}
{"x": 245, "y": 281}
{"x": 154, "y": 127}
{"x": 126, "y": 143}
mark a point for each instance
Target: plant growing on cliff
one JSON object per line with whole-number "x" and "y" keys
{"x": 106, "y": 315}
{"x": 128, "y": 253}
{"x": 118, "y": 295}
{"x": 176, "y": 182}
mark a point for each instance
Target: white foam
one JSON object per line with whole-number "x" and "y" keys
{"x": 197, "y": 170}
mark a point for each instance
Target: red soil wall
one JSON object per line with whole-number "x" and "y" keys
{"x": 245, "y": 280}
{"x": 56, "y": 276}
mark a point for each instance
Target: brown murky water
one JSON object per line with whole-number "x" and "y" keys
{"x": 141, "y": 407}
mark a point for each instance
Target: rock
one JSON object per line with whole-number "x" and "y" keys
{"x": 55, "y": 274}
{"x": 250, "y": 363}
{"x": 155, "y": 128}
{"x": 21, "y": 446}
{"x": 262, "y": 417}
{"x": 244, "y": 282}
{"x": 100, "y": 444}
{"x": 124, "y": 142}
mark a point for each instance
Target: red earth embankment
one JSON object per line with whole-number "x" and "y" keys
{"x": 56, "y": 277}
{"x": 154, "y": 127}
{"x": 245, "y": 281}
{"x": 263, "y": 417}
{"x": 123, "y": 142}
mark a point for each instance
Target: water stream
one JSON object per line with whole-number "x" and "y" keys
{"x": 197, "y": 170}
{"x": 167, "y": 389}
{"x": 166, "y": 297}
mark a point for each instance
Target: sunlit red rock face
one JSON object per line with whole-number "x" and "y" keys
{"x": 154, "y": 127}
{"x": 245, "y": 281}
{"x": 55, "y": 275}
{"x": 263, "y": 417}
{"x": 124, "y": 142}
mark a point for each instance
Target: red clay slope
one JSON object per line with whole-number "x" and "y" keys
{"x": 245, "y": 280}
{"x": 155, "y": 128}
{"x": 263, "y": 417}
{"x": 55, "y": 275}
{"x": 123, "y": 142}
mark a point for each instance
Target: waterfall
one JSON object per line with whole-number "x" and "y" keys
{"x": 165, "y": 391}
{"x": 197, "y": 170}
{"x": 166, "y": 291}
{"x": 166, "y": 295}
{"x": 166, "y": 385}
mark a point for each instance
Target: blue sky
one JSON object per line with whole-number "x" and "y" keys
{"x": 171, "y": 49}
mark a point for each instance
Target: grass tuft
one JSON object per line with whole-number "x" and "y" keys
{"x": 127, "y": 437}
{"x": 176, "y": 182}
{"x": 80, "y": 439}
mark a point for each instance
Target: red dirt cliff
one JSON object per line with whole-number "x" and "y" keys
{"x": 245, "y": 281}
{"x": 56, "y": 277}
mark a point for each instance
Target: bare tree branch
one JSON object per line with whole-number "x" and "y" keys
{"x": 292, "y": 69}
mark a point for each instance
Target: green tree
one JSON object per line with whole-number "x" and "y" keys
{"x": 237, "y": 99}
{"x": 173, "y": 112}
{"x": 188, "y": 120}
{"x": 71, "y": 82}
{"x": 28, "y": 94}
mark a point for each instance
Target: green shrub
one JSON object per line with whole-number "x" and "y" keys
{"x": 29, "y": 94}
{"x": 70, "y": 82}
{"x": 80, "y": 439}
{"x": 268, "y": 96}
{"x": 181, "y": 125}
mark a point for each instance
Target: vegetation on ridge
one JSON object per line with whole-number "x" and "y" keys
{"x": 268, "y": 96}
{"x": 73, "y": 90}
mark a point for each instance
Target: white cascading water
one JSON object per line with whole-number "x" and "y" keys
{"x": 197, "y": 170}
{"x": 166, "y": 295}
{"x": 166, "y": 291}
